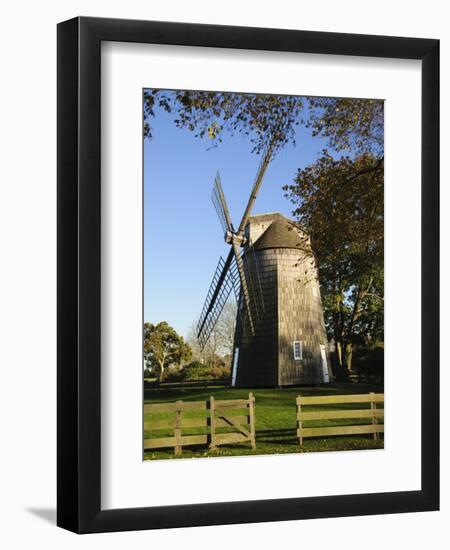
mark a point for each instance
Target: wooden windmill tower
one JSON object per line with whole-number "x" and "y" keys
{"x": 280, "y": 336}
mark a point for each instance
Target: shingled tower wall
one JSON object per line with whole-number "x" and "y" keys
{"x": 293, "y": 309}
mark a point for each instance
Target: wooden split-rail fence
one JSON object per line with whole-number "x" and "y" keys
{"x": 372, "y": 413}
{"x": 217, "y": 422}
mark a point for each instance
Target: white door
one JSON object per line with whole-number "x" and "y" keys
{"x": 234, "y": 371}
{"x": 323, "y": 354}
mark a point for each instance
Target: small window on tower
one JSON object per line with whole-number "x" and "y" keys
{"x": 297, "y": 350}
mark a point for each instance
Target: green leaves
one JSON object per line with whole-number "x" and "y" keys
{"x": 163, "y": 347}
{"x": 340, "y": 205}
{"x": 212, "y": 114}
{"x": 349, "y": 124}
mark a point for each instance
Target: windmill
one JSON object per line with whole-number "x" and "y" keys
{"x": 280, "y": 336}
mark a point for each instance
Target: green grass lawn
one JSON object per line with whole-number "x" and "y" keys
{"x": 275, "y": 420}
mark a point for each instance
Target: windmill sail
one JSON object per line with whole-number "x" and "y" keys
{"x": 218, "y": 293}
{"x": 220, "y": 204}
{"x": 250, "y": 322}
{"x": 258, "y": 180}
{"x": 220, "y": 289}
{"x": 253, "y": 279}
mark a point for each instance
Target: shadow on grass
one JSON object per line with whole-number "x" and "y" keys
{"x": 283, "y": 436}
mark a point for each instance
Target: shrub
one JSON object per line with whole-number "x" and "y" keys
{"x": 174, "y": 374}
{"x": 220, "y": 372}
{"x": 196, "y": 371}
{"x": 369, "y": 362}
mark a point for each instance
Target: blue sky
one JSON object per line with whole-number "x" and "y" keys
{"x": 183, "y": 238}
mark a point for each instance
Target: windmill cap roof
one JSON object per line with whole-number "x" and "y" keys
{"x": 281, "y": 234}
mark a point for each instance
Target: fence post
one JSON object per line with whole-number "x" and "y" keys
{"x": 251, "y": 411}
{"x": 212, "y": 423}
{"x": 299, "y": 422}
{"x": 373, "y": 407}
{"x": 177, "y": 431}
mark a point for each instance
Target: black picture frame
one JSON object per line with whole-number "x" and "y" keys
{"x": 79, "y": 279}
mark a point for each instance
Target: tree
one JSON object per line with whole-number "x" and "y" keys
{"x": 164, "y": 347}
{"x": 340, "y": 205}
{"x": 213, "y": 114}
{"x": 221, "y": 340}
{"x": 210, "y": 354}
{"x": 225, "y": 328}
{"x": 348, "y": 124}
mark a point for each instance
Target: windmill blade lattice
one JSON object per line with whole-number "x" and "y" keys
{"x": 221, "y": 286}
{"x": 231, "y": 281}
{"x": 250, "y": 322}
{"x": 220, "y": 204}
{"x": 252, "y": 276}
{"x": 258, "y": 180}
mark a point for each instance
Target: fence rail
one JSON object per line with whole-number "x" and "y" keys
{"x": 236, "y": 416}
{"x": 372, "y": 413}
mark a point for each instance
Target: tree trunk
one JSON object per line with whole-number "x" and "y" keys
{"x": 161, "y": 371}
{"x": 348, "y": 357}
{"x": 342, "y": 373}
{"x": 339, "y": 353}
